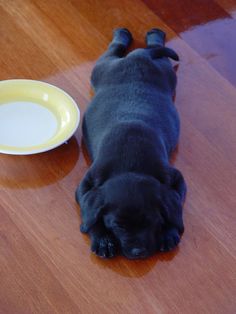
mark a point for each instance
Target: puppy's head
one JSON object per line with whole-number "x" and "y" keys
{"x": 136, "y": 209}
{"x": 139, "y": 210}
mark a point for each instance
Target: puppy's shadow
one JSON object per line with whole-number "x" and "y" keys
{"x": 133, "y": 268}
{"x": 32, "y": 171}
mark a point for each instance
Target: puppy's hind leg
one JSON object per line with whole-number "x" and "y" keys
{"x": 122, "y": 38}
{"x": 155, "y": 38}
{"x": 116, "y": 50}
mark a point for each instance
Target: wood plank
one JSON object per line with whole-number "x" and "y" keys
{"x": 177, "y": 13}
{"x": 229, "y": 6}
{"x": 26, "y": 59}
{"x": 46, "y": 265}
{"x": 27, "y": 285}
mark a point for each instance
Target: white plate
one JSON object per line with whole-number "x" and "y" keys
{"x": 35, "y": 117}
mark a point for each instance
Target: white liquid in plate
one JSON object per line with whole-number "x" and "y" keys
{"x": 25, "y": 124}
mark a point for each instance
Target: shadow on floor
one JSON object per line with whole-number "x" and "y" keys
{"x": 32, "y": 171}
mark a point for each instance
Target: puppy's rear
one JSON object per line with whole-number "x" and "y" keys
{"x": 131, "y": 198}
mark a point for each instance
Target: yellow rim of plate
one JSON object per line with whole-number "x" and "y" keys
{"x": 54, "y": 99}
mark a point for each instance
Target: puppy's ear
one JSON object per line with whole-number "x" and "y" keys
{"x": 90, "y": 199}
{"x": 166, "y": 52}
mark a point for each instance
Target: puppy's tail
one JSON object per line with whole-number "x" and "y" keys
{"x": 165, "y": 52}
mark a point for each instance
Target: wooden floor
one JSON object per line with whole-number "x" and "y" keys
{"x": 45, "y": 262}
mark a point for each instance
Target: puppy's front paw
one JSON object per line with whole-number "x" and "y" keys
{"x": 170, "y": 240}
{"x": 104, "y": 246}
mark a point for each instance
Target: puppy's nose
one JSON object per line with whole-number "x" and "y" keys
{"x": 138, "y": 252}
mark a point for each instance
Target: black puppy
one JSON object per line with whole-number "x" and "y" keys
{"x": 131, "y": 198}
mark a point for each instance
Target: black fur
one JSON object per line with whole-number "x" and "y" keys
{"x": 131, "y": 198}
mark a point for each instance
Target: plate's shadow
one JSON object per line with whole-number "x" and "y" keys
{"x": 32, "y": 171}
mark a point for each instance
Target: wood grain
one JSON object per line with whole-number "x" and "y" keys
{"x": 45, "y": 262}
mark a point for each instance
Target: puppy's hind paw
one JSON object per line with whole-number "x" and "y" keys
{"x": 171, "y": 239}
{"x": 122, "y": 36}
{"x": 105, "y": 246}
